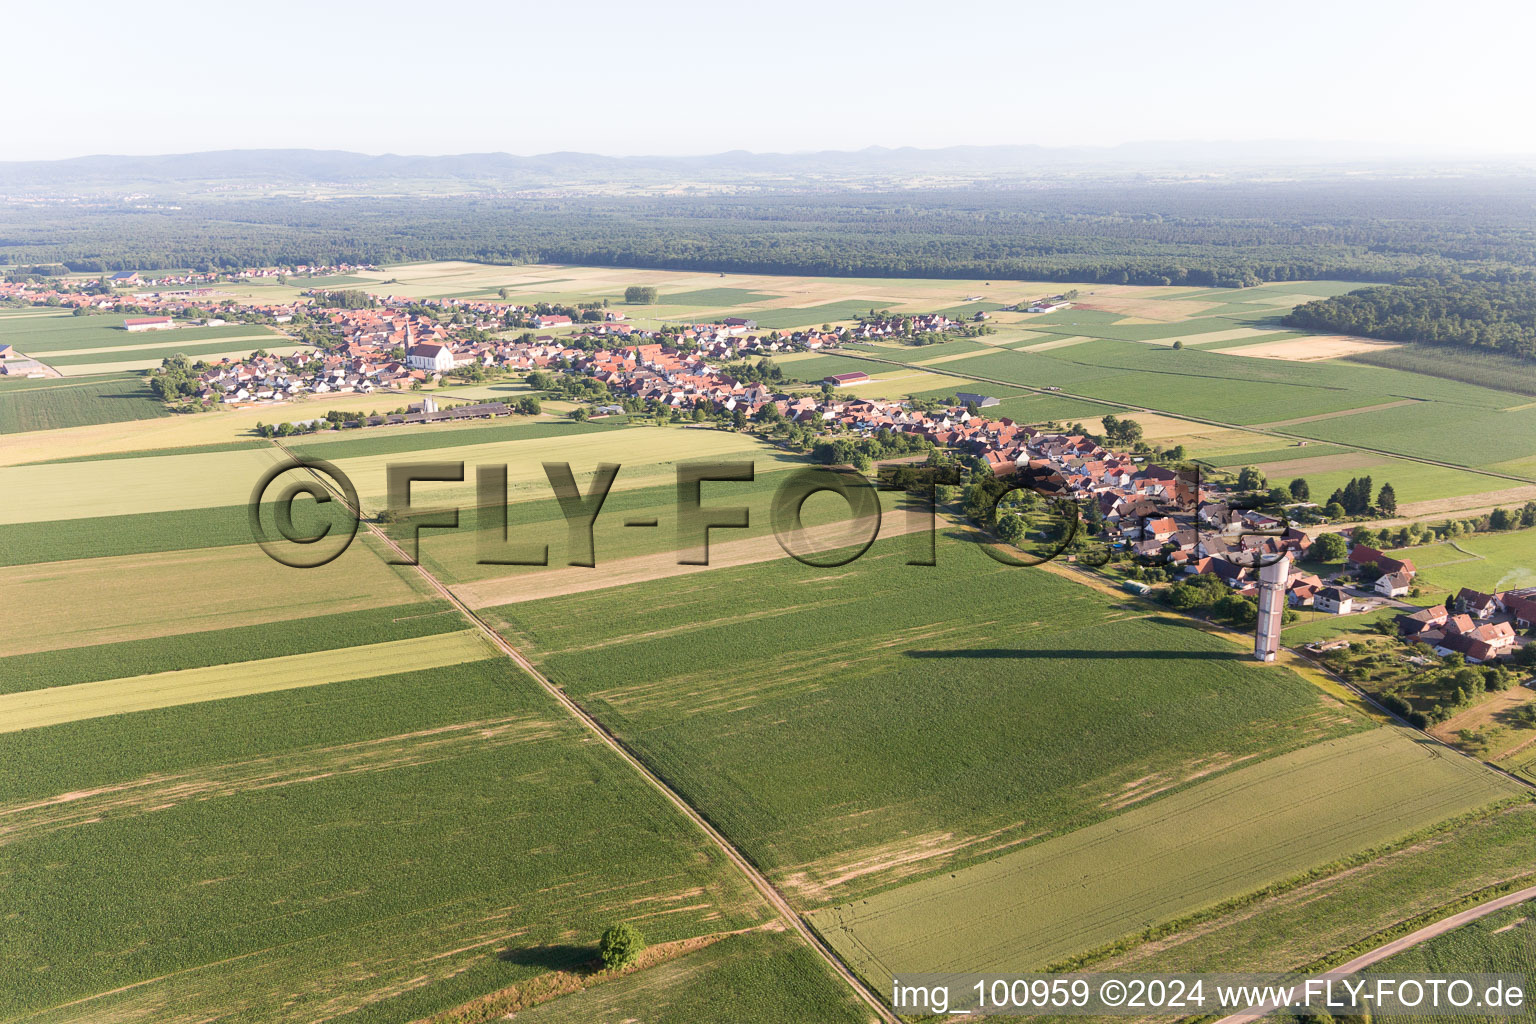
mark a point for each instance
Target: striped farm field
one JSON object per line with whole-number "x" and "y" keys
{"x": 148, "y": 359}
{"x": 153, "y": 348}
{"x": 155, "y": 483}
{"x": 455, "y": 555}
{"x": 40, "y": 337}
{"x": 1290, "y": 453}
{"x": 89, "y": 601}
{"x": 810, "y": 316}
{"x": 52, "y": 404}
{"x": 1219, "y": 839}
{"x": 35, "y": 709}
{"x": 1420, "y": 878}
{"x": 648, "y": 455}
{"x": 70, "y": 665}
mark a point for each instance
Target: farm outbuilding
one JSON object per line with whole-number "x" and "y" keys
{"x": 844, "y": 379}
{"x": 148, "y": 323}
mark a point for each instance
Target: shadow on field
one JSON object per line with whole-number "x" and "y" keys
{"x": 1070, "y": 653}
{"x": 579, "y": 959}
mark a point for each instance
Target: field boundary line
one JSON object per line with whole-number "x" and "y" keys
{"x": 759, "y": 881}
{"x": 1414, "y": 938}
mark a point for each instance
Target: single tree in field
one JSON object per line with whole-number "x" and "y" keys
{"x": 1011, "y": 529}
{"x": 1329, "y": 547}
{"x": 1300, "y": 491}
{"x": 620, "y": 946}
{"x": 1386, "y": 500}
{"x": 1178, "y": 345}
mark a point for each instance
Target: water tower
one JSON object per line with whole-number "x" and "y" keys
{"x": 1272, "y": 577}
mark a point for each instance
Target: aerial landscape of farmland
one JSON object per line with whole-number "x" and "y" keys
{"x": 831, "y": 550}
{"x": 892, "y": 745}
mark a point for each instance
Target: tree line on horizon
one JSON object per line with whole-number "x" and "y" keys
{"x": 1192, "y": 236}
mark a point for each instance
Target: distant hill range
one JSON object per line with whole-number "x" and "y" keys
{"x": 307, "y": 167}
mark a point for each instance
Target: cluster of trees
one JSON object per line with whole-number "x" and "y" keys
{"x": 1218, "y": 234}
{"x": 1495, "y": 315}
{"x": 346, "y": 298}
{"x": 1354, "y": 499}
{"x": 1122, "y": 432}
{"x": 764, "y": 371}
{"x": 1410, "y": 535}
{"x": 175, "y": 380}
{"x": 640, "y": 295}
{"x": 1445, "y": 689}
{"x": 575, "y": 386}
{"x": 863, "y": 452}
{"x": 1206, "y": 593}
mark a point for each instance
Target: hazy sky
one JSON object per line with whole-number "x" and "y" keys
{"x": 681, "y": 76}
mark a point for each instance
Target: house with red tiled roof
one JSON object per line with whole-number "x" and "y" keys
{"x": 1478, "y": 604}
{"x": 1521, "y": 605}
{"x": 1478, "y": 643}
{"x": 1362, "y": 554}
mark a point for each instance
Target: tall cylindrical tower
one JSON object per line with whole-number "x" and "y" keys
{"x": 1272, "y": 577}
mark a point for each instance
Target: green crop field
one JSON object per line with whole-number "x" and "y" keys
{"x": 849, "y": 726}
{"x": 1314, "y": 626}
{"x": 1486, "y": 561}
{"x": 70, "y": 665}
{"x": 113, "y": 399}
{"x": 1523, "y": 765}
{"x": 1038, "y": 408}
{"x": 166, "y": 483}
{"x": 1440, "y": 431}
{"x": 61, "y": 335}
{"x": 454, "y": 555}
{"x": 65, "y": 539}
{"x": 403, "y": 439}
{"x": 713, "y": 298}
{"x": 1504, "y": 942}
{"x": 92, "y": 601}
{"x": 763, "y": 977}
{"x": 191, "y": 449}
{"x": 1290, "y": 453}
{"x": 152, "y": 354}
{"x": 923, "y": 354}
{"x": 1412, "y": 481}
{"x": 648, "y": 455}
{"x": 55, "y": 705}
{"x": 1472, "y": 366}
{"x": 1352, "y": 906}
{"x": 378, "y": 848}
{"x": 1220, "y": 839}
{"x": 966, "y": 310}
{"x": 811, "y": 316}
